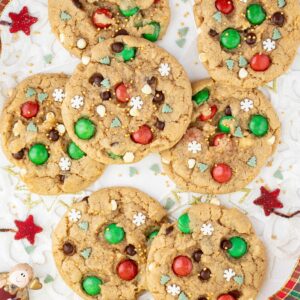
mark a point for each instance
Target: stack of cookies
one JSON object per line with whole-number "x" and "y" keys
{"x": 129, "y": 98}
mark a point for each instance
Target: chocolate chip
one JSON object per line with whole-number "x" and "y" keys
{"x": 78, "y": 4}
{"x": 159, "y": 97}
{"x": 212, "y": 33}
{"x": 96, "y": 79}
{"x": 251, "y": 38}
{"x": 205, "y": 274}
{"x": 169, "y": 230}
{"x": 228, "y": 111}
{"x": 152, "y": 81}
{"x": 202, "y": 298}
{"x": 121, "y": 32}
{"x": 197, "y": 255}
{"x": 61, "y": 178}
{"x": 160, "y": 124}
{"x": 19, "y": 155}
{"x": 85, "y": 199}
{"x": 53, "y": 135}
{"x": 69, "y": 249}
{"x": 226, "y": 244}
{"x": 235, "y": 294}
{"x": 130, "y": 250}
{"x": 117, "y": 47}
{"x": 106, "y": 95}
{"x": 278, "y": 18}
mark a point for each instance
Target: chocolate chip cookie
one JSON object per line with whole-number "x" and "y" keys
{"x": 131, "y": 99}
{"x": 34, "y": 138}
{"x": 101, "y": 244}
{"x": 247, "y": 44}
{"x": 211, "y": 252}
{"x": 232, "y": 134}
{"x": 82, "y": 24}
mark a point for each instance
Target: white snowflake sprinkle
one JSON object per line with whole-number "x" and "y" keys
{"x": 77, "y": 102}
{"x": 164, "y": 69}
{"x": 58, "y": 95}
{"x": 194, "y": 147}
{"x": 228, "y": 274}
{"x": 139, "y": 219}
{"x": 136, "y": 103}
{"x": 207, "y": 229}
{"x": 65, "y": 164}
{"x": 246, "y": 105}
{"x": 269, "y": 45}
{"x": 74, "y": 215}
{"x": 173, "y": 289}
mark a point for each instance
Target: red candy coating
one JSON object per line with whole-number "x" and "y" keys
{"x": 226, "y": 297}
{"x": 213, "y": 111}
{"x": 260, "y": 62}
{"x": 221, "y": 173}
{"x": 182, "y": 266}
{"x": 127, "y": 269}
{"x": 143, "y": 135}
{"x": 121, "y": 93}
{"x": 224, "y": 6}
{"x": 29, "y": 109}
{"x": 96, "y": 17}
{"x": 217, "y": 138}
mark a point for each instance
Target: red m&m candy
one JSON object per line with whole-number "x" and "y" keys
{"x": 210, "y": 115}
{"x": 182, "y": 266}
{"x": 121, "y": 93}
{"x": 224, "y": 6}
{"x": 217, "y": 139}
{"x": 226, "y": 297}
{"x": 143, "y": 135}
{"x": 221, "y": 173}
{"x": 29, "y": 109}
{"x": 101, "y": 18}
{"x": 260, "y": 62}
{"x": 127, "y": 269}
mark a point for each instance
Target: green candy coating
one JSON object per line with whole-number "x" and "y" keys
{"x": 230, "y": 38}
{"x": 184, "y": 223}
{"x": 239, "y": 247}
{"x": 92, "y": 285}
{"x": 202, "y": 96}
{"x": 153, "y": 37}
{"x": 75, "y": 152}
{"x": 153, "y": 234}
{"x": 38, "y": 154}
{"x": 222, "y": 126}
{"x": 256, "y": 14}
{"x": 129, "y": 12}
{"x": 114, "y": 234}
{"x": 85, "y": 129}
{"x": 259, "y": 125}
{"x": 127, "y": 53}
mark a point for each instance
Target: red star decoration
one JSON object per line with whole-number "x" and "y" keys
{"x": 268, "y": 200}
{"x": 27, "y": 230}
{"x": 22, "y": 21}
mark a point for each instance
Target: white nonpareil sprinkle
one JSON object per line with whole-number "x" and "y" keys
{"x": 114, "y": 205}
{"x": 173, "y": 289}
{"x": 246, "y": 105}
{"x": 136, "y": 102}
{"x": 128, "y": 157}
{"x": 65, "y": 164}
{"x": 61, "y": 129}
{"x": 58, "y": 95}
{"x": 243, "y": 73}
{"x": 139, "y": 219}
{"x": 147, "y": 90}
{"x": 228, "y": 274}
{"x": 164, "y": 69}
{"x": 194, "y": 147}
{"x": 85, "y": 60}
{"x": 191, "y": 163}
{"x": 207, "y": 229}
{"x": 77, "y": 102}
{"x": 81, "y": 44}
{"x": 101, "y": 110}
{"x": 269, "y": 45}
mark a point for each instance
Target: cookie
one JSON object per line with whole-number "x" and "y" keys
{"x": 100, "y": 245}
{"x": 82, "y": 24}
{"x": 232, "y": 134}
{"x": 247, "y": 44}
{"x": 35, "y": 139}
{"x": 130, "y": 100}
{"x": 211, "y": 252}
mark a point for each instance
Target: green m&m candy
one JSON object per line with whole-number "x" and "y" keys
{"x": 114, "y": 234}
{"x": 153, "y": 234}
{"x": 238, "y": 247}
{"x": 259, "y": 125}
{"x": 153, "y": 37}
{"x": 230, "y": 38}
{"x": 129, "y": 12}
{"x": 202, "y": 96}
{"x": 92, "y": 285}
{"x": 224, "y": 123}
{"x": 38, "y": 154}
{"x": 85, "y": 129}
{"x": 127, "y": 53}
{"x": 75, "y": 152}
{"x": 256, "y": 14}
{"x": 184, "y": 223}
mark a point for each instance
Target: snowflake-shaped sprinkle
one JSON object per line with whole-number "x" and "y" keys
{"x": 65, "y": 164}
{"x": 164, "y": 69}
{"x": 269, "y": 45}
{"x": 228, "y": 274}
{"x": 207, "y": 229}
{"x": 59, "y": 95}
{"x": 246, "y": 105}
{"x": 173, "y": 289}
{"x": 77, "y": 102}
{"x": 139, "y": 219}
{"x": 194, "y": 147}
{"x": 136, "y": 102}
{"x": 74, "y": 215}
